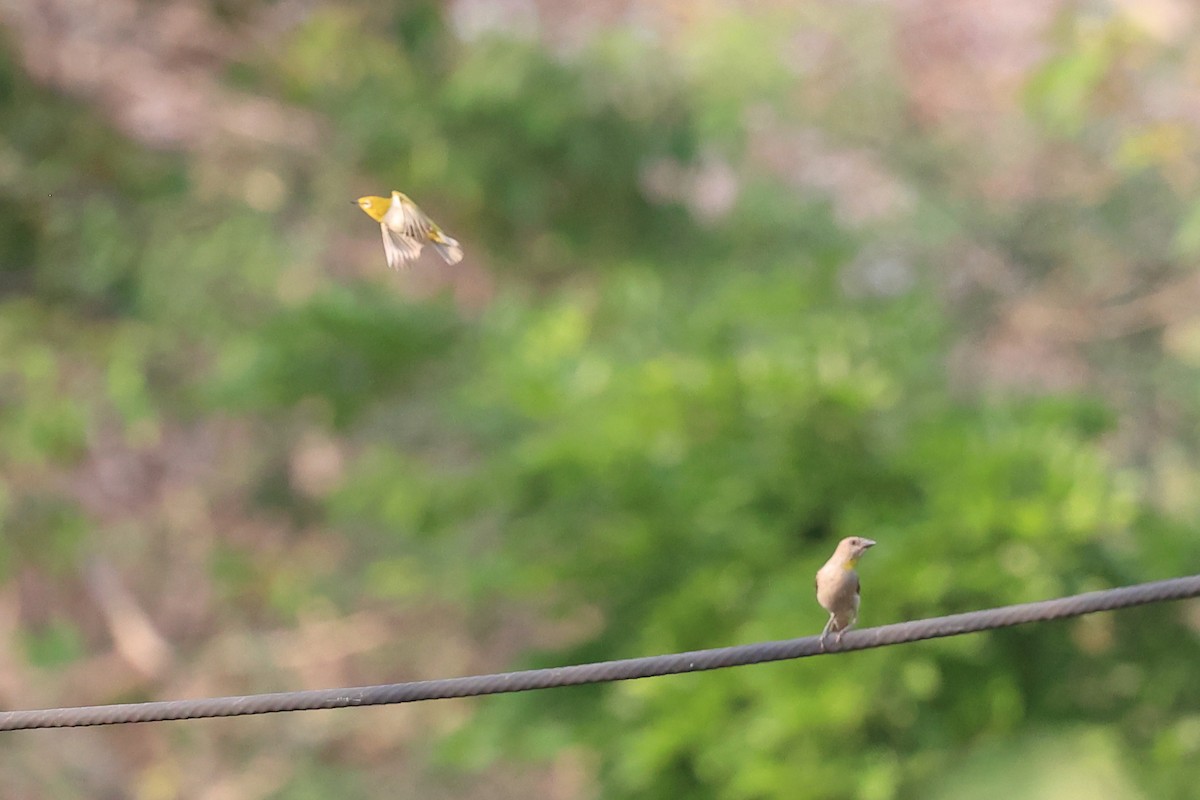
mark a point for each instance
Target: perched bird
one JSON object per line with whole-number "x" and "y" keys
{"x": 837, "y": 586}
{"x": 406, "y": 230}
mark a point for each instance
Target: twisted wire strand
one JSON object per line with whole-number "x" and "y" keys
{"x": 601, "y": 672}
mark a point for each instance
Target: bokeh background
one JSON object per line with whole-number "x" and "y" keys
{"x": 742, "y": 278}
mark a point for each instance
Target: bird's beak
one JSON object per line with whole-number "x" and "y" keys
{"x": 868, "y": 543}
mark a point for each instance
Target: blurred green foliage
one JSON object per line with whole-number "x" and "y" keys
{"x": 661, "y": 420}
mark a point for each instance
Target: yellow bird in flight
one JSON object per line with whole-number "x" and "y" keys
{"x": 406, "y": 229}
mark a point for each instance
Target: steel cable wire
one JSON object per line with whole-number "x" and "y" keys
{"x": 601, "y": 672}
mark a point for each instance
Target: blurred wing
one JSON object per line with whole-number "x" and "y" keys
{"x": 400, "y": 250}
{"x": 412, "y": 223}
{"x": 408, "y": 220}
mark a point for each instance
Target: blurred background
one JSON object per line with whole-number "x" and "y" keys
{"x": 742, "y": 278}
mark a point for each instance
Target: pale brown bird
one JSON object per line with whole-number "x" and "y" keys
{"x": 837, "y": 586}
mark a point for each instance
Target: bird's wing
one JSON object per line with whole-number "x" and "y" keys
{"x": 399, "y": 248}
{"x": 857, "y": 587}
{"x": 409, "y": 220}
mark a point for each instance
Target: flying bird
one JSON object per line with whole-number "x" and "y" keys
{"x": 406, "y": 229}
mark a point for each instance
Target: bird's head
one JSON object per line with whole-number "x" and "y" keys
{"x": 375, "y": 207}
{"x": 853, "y": 547}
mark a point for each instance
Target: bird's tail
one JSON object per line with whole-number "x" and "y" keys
{"x": 449, "y": 249}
